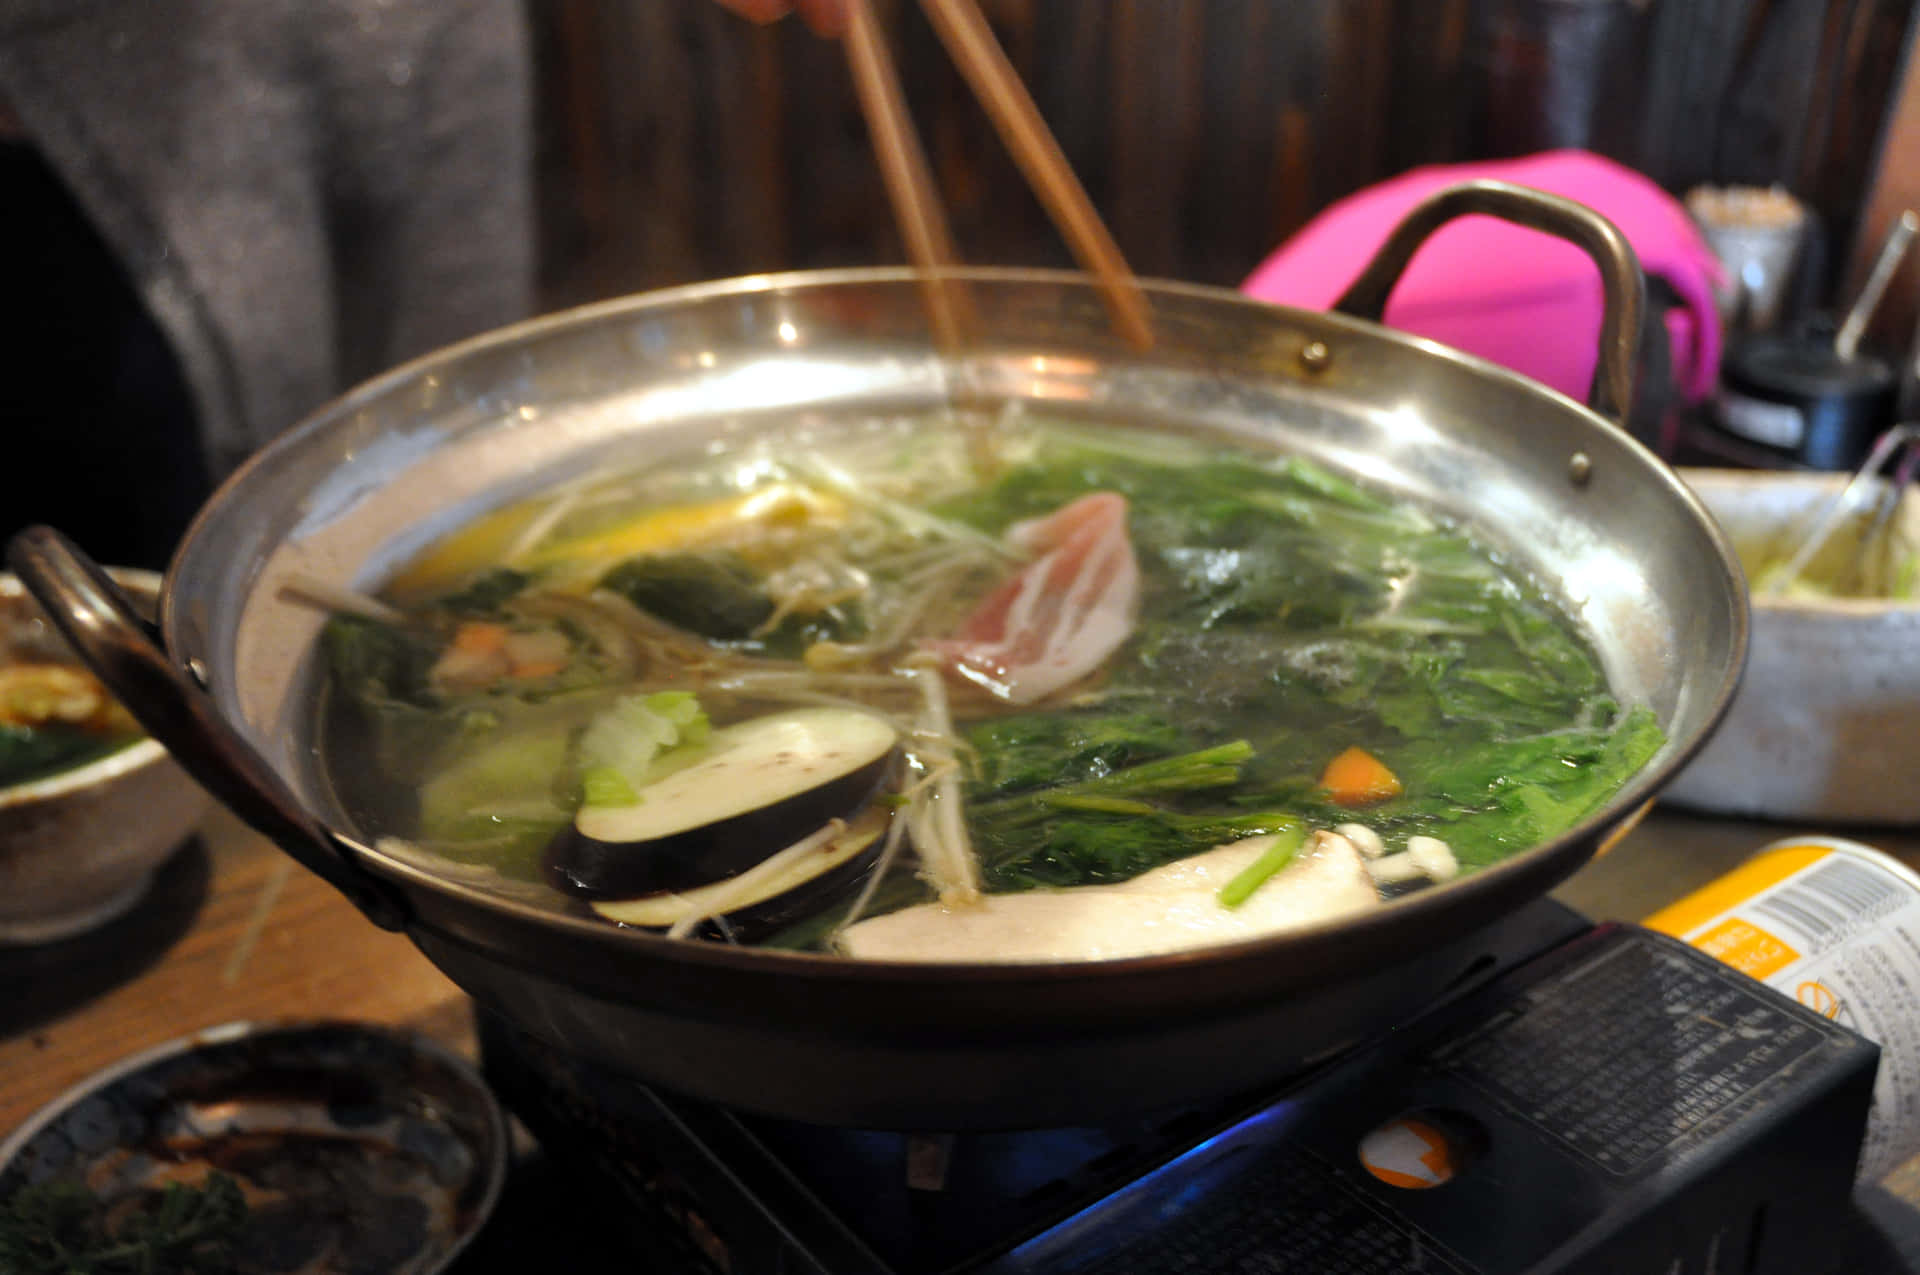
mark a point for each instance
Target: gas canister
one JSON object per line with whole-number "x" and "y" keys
{"x": 1835, "y": 924}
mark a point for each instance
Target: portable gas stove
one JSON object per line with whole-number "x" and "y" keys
{"x": 1603, "y": 1099}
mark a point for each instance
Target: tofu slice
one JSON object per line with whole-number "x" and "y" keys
{"x": 1171, "y": 908}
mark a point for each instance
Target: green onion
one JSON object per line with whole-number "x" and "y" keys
{"x": 1285, "y": 845}
{"x": 684, "y": 711}
{"x": 1095, "y": 801}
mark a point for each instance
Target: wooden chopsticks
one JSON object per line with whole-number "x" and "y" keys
{"x": 970, "y": 43}
{"x": 916, "y": 203}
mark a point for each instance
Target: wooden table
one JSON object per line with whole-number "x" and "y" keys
{"x": 233, "y": 931}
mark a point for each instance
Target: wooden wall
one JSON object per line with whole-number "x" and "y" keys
{"x": 681, "y": 143}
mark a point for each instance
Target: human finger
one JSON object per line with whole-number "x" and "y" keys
{"x": 825, "y": 17}
{"x": 759, "y": 10}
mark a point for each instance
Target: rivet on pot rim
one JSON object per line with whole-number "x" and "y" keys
{"x": 1579, "y": 469}
{"x": 1315, "y": 356}
{"x": 197, "y": 670}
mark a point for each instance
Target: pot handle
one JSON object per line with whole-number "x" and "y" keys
{"x": 120, "y": 647}
{"x": 1623, "y": 287}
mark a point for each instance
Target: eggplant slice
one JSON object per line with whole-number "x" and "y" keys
{"x": 811, "y": 885}
{"x": 751, "y": 789}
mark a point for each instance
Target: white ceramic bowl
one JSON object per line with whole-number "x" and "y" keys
{"x": 1826, "y": 724}
{"x": 79, "y": 847}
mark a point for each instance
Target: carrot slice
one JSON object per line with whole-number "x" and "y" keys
{"x": 478, "y": 637}
{"x": 1358, "y": 778}
{"x": 537, "y": 669}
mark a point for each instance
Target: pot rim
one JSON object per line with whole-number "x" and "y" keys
{"x": 839, "y": 276}
{"x": 1551, "y": 861}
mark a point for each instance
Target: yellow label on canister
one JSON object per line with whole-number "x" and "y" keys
{"x": 1835, "y": 925}
{"x": 1746, "y": 947}
{"x": 1766, "y": 869}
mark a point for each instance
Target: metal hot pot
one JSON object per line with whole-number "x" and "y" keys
{"x": 225, "y": 680}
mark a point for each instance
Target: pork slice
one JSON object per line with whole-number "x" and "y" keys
{"x": 1063, "y": 614}
{"x": 1171, "y": 908}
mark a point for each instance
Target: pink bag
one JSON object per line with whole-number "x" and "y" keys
{"x": 1515, "y": 296}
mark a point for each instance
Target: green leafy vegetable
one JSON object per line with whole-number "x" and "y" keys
{"x": 1324, "y": 482}
{"x": 605, "y": 786}
{"x": 1115, "y": 826}
{"x": 59, "y": 1227}
{"x": 1206, "y": 768}
{"x": 385, "y": 709}
{"x": 716, "y": 595}
{"x": 509, "y": 778}
{"x": 376, "y": 663}
{"x": 622, "y": 743}
{"x": 1504, "y": 796}
{"x": 1033, "y": 750}
{"x": 1265, "y": 581}
{"x": 1289, "y": 607}
{"x": 486, "y": 593}
{"x": 34, "y": 752}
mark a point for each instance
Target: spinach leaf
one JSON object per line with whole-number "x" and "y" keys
{"x": 716, "y": 595}
{"x": 1498, "y": 796}
{"x": 1550, "y": 649}
{"x": 790, "y": 638}
{"x": 385, "y": 703}
{"x": 1105, "y": 828}
{"x": 486, "y": 593}
{"x": 1088, "y": 847}
{"x": 1324, "y": 482}
{"x": 374, "y": 663}
{"x": 1279, "y": 578}
{"x": 1033, "y": 750}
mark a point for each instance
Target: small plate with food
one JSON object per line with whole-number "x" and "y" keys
{"x": 89, "y": 805}
{"x": 252, "y": 1148}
